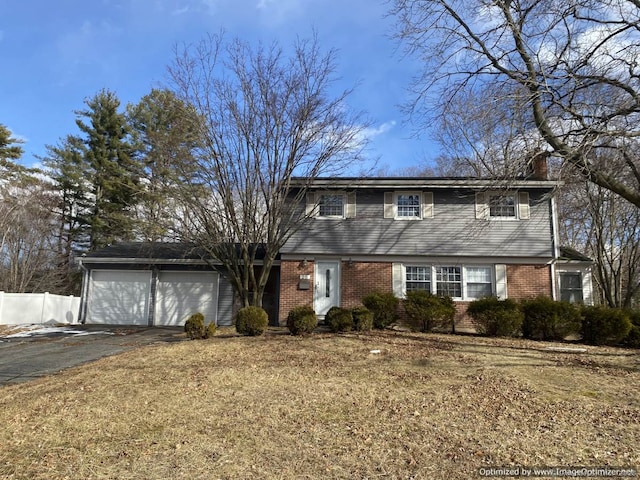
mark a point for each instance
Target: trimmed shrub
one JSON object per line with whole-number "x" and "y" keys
{"x": 426, "y": 311}
{"x": 362, "y": 319}
{"x": 339, "y": 319}
{"x": 546, "y": 319}
{"x": 604, "y": 326}
{"x": 210, "y": 331}
{"x": 633, "y": 337}
{"x": 251, "y": 321}
{"x": 302, "y": 320}
{"x": 496, "y": 318}
{"x": 384, "y": 307}
{"x": 194, "y": 326}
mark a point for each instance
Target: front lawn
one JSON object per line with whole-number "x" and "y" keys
{"x": 325, "y": 406}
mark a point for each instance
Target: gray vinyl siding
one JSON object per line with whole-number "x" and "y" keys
{"x": 225, "y": 302}
{"x": 453, "y": 230}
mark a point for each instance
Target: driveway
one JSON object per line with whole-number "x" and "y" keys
{"x": 50, "y": 350}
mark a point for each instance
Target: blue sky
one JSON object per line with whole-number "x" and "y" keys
{"x": 55, "y": 54}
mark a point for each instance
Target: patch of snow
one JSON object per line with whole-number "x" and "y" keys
{"x": 26, "y": 331}
{"x": 566, "y": 349}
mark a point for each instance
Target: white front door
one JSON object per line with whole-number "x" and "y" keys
{"x": 327, "y": 287}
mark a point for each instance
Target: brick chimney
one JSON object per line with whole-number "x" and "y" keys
{"x": 539, "y": 166}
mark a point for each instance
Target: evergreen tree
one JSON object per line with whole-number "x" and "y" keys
{"x": 66, "y": 169}
{"x": 164, "y": 136}
{"x": 113, "y": 172}
{"x": 10, "y": 150}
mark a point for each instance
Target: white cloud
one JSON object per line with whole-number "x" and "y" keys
{"x": 372, "y": 132}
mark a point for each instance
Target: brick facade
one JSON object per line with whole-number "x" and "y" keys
{"x": 357, "y": 280}
{"x": 525, "y": 281}
{"x": 360, "y": 278}
{"x": 290, "y": 293}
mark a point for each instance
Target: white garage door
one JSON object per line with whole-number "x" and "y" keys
{"x": 181, "y": 294}
{"x": 119, "y": 297}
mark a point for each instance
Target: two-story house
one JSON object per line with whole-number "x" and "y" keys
{"x": 466, "y": 238}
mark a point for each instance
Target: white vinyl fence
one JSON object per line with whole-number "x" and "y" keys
{"x": 18, "y": 308}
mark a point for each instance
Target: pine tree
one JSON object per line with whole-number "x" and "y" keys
{"x": 10, "y": 150}
{"x": 66, "y": 169}
{"x": 164, "y": 136}
{"x": 113, "y": 172}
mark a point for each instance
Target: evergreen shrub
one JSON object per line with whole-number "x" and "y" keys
{"x": 426, "y": 311}
{"x": 194, "y": 326}
{"x": 362, "y": 319}
{"x": 302, "y": 320}
{"x": 251, "y": 321}
{"x": 496, "y": 318}
{"x": 604, "y": 326}
{"x": 546, "y": 319}
{"x": 339, "y": 319}
{"x": 384, "y": 306}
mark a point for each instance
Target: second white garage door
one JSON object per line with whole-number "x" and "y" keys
{"x": 181, "y": 294}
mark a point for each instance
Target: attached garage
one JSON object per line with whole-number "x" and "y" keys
{"x": 154, "y": 284}
{"x": 180, "y": 294}
{"x": 119, "y": 297}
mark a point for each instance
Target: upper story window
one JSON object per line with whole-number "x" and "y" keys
{"x": 408, "y": 205}
{"x": 502, "y": 206}
{"x": 330, "y": 205}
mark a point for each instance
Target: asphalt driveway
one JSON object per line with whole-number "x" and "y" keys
{"x": 25, "y": 358}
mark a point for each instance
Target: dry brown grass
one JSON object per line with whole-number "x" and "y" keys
{"x": 427, "y": 406}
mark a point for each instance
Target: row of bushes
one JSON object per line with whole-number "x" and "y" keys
{"x": 542, "y": 318}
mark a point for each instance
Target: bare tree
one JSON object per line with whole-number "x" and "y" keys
{"x": 601, "y": 224}
{"x": 571, "y": 65}
{"x": 28, "y": 251}
{"x": 262, "y": 118}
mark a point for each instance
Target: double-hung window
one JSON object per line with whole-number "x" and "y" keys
{"x": 331, "y": 205}
{"x": 449, "y": 281}
{"x": 408, "y": 205}
{"x": 571, "y": 287}
{"x": 478, "y": 282}
{"x": 502, "y": 206}
{"x": 418, "y": 278}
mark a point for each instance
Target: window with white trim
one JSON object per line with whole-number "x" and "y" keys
{"x": 331, "y": 205}
{"x": 449, "y": 281}
{"x": 571, "y": 287}
{"x": 408, "y": 205}
{"x": 458, "y": 282}
{"x": 478, "y": 282}
{"x": 502, "y": 206}
{"x": 418, "y": 278}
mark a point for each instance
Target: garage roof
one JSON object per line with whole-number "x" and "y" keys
{"x": 152, "y": 252}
